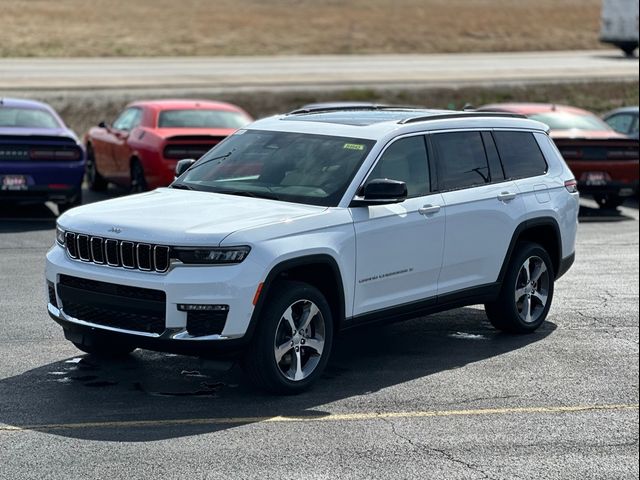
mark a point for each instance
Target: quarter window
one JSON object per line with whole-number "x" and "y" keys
{"x": 520, "y": 154}
{"x": 461, "y": 160}
{"x": 128, "y": 120}
{"x": 405, "y": 160}
{"x": 620, "y": 123}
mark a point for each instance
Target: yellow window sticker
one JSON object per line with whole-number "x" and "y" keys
{"x": 353, "y": 146}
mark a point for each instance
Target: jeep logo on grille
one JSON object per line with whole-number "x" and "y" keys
{"x": 114, "y": 230}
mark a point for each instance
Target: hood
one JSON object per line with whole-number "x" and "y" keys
{"x": 180, "y": 217}
{"x": 43, "y": 132}
{"x": 193, "y": 132}
{"x": 586, "y": 134}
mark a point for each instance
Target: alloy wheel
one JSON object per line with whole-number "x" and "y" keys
{"x": 299, "y": 340}
{"x": 532, "y": 289}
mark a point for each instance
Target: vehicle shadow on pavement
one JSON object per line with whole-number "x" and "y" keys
{"x": 172, "y": 394}
{"x": 30, "y": 217}
{"x": 590, "y": 213}
{"x": 16, "y": 218}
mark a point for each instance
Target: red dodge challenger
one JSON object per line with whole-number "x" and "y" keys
{"x": 604, "y": 162}
{"x": 142, "y": 146}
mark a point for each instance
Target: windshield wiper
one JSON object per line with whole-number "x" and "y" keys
{"x": 181, "y": 186}
{"x": 244, "y": 193}
{"x": 199, "y": 164}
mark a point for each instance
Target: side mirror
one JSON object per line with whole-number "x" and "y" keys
{"x": 103, "y": 124}
{"x": 381, "y": 191}
{"x": 183, "y": 165}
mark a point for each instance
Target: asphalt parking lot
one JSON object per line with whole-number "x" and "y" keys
{"x": 444, "y": 396}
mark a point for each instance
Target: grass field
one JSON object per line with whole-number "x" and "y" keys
{"x": 82, "y": 110}
{"x": 245, "y": 27}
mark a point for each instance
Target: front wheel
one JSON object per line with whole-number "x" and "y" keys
{"x": 292, "y": 343}
{"x": 527, "y": 291}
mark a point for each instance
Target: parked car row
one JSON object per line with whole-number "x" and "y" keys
{"x": 604, "y": 162}
{"x": 41, "y": 159}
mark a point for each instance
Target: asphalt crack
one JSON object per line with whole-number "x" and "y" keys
{"x": 441, "y": 452}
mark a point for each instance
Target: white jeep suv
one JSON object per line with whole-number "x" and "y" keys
{"x": 304, "y": 224}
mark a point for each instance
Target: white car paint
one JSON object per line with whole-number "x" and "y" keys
{"x": 387, "y": 255}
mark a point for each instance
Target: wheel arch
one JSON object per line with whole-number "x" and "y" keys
{"x": 544, "y": 231}
{"x": 319, "y": 270}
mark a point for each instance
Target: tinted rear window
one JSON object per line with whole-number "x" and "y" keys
{"x": 520, "y": 154}
{"x": 201, "y": 119}
{"x": 27, "y": 118}
{"x": 570, "y": 121}
{"x": 461, "y": 160}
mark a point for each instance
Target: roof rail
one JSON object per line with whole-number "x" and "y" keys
{"x": 446, "y": 116}
{"x": 352, "y": 107}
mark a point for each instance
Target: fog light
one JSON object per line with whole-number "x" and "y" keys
{"x": 192, "y": 307}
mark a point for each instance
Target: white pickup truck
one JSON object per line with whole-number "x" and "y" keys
{"x": 619, "y": 24}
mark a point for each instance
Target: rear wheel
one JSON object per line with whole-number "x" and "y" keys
{"x": 97, "y": 183}
{"x": 608, "y": 201}
{"x": 527, "y": 291}
{"x": 292, "y": 343}
{"x": 138, "y": 181}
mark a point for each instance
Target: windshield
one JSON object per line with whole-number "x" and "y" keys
{"x": 294, "y": 167}
{"x": 27, "y": 118}
{"x": 201, "y": 119}
{"x": 568, "y": 121}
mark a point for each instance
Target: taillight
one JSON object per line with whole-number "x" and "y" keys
{"x": 571, "y": 186}
{"x": 51, "y": 154}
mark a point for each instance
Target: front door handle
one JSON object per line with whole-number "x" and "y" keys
{"x": 429, "y": 209}
{"x": 507, "y": 196}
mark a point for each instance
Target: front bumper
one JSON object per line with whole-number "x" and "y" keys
{"x": 232, "y": 285}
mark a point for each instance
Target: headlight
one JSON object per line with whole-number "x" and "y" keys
{"x": 226, "y": 255}
{"x": 60, "y": 236}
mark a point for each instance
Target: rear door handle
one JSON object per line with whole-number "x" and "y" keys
{"x": 507, "y": 196}
{"x": 429, "y": 209}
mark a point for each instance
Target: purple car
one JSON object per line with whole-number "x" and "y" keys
{"x": 40, "y": 158}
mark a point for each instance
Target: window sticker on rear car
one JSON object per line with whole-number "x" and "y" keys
{"x": 353, "y": 146}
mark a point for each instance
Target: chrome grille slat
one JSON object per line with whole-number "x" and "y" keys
{"x": 97, "y": 250}
{"x": 143, "y": 256}
{"x": 70, "y": 243}
{"x": 127, "y": 255}
{"x": 117, "y": 253}
{"x": 84, "y": 253}
{"x": 161, "y": 258}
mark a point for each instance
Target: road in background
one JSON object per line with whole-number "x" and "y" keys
{"x": 439, "y": 397}
{"x": 313, "y": 70}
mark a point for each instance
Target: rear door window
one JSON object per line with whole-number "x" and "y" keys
{"x": 520, "y": 154}
{"x": 461, "y": 160}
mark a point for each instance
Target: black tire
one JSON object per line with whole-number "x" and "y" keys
{"x": 96, "y": 182}
{"x": 504, "y": 314}
{"x": 138, "y": 181}
{"x": 106, "y": 350}
{"x": 76, "y": 201}
{"x": 608, "y": 202}
{"x": 260, "y": 363}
